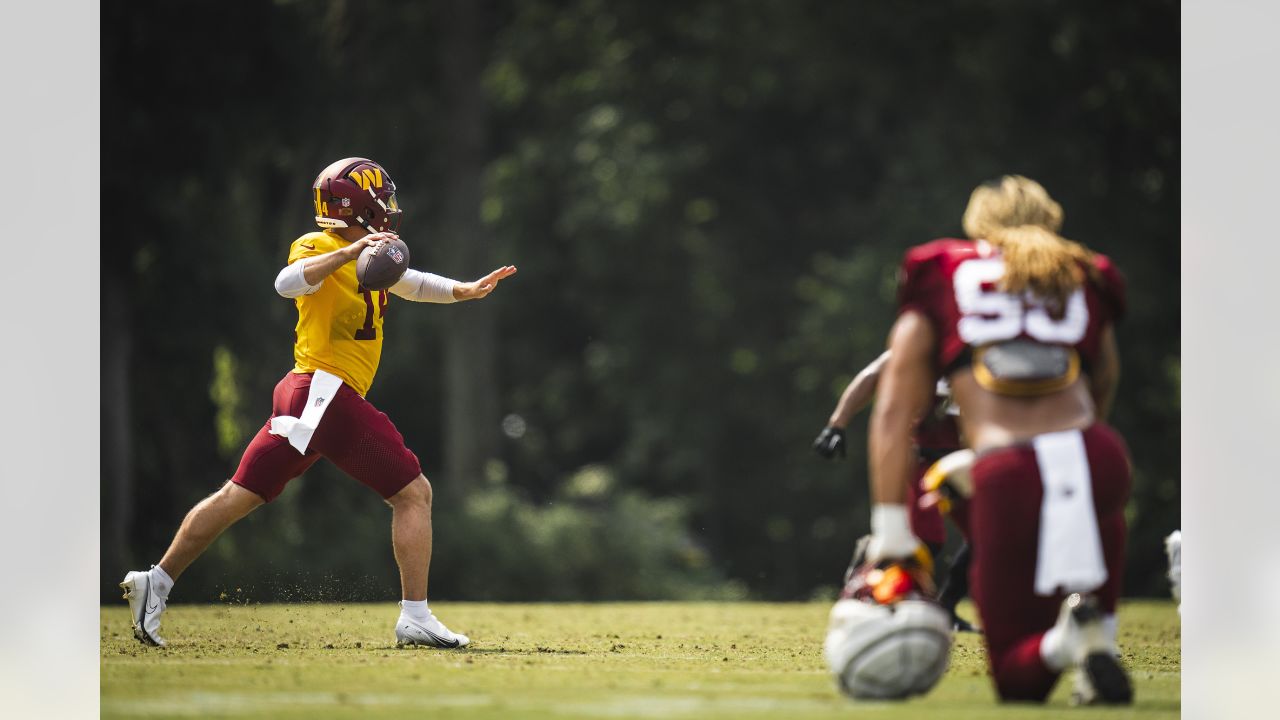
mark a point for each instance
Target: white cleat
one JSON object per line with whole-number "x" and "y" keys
{"x": 1099, "y": 677}
{"x": 431, "y": 633}
{"x": 145, "y": 607}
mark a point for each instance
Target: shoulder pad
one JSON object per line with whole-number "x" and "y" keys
{"x": 923, "y": 269}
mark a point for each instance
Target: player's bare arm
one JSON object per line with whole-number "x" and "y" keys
{"x": 857, "y": 396}
{"x": 904, "y": 393}
{"x": 481, "y": 288}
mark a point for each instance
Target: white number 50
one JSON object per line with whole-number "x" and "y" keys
{"x": 990, "y": 315}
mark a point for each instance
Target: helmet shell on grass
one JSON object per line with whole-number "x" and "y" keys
{"x": 887, "y": 652}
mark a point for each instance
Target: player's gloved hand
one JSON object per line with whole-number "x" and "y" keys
{"x": 948, "y": 479}
{"x": 830, "y": 442}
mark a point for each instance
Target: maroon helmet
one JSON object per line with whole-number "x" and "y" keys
{"x": 356, "y": 191}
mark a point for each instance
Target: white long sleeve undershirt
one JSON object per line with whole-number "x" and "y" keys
{"x": 415, "y": 285}
{"x": 291, "y": 283}
{"x": 425, "y": 287}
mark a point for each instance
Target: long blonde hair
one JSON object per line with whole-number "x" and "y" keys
{"x": 1017, "y": 216}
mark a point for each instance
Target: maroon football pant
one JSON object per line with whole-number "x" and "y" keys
{"x": 352, "y": 433}
{"x": 1004, "y": 522}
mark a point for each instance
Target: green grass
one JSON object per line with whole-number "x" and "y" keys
{"x": 648, "y": 660}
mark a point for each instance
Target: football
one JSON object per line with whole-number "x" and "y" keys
{"x": 382, "y": 264}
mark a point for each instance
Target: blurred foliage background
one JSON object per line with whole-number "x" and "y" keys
{"x": 707, "y": 202}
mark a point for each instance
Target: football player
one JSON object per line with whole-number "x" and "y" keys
{"x": 1021, "y": 322}
{"x": 319, "y": 407}
{"x": 936, "y": 436}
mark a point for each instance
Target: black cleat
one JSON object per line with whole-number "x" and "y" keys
{"x": 1099, "y": 677}
{"x": 1109, "y": 681}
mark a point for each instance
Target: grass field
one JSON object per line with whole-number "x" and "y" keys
{"x": 647, "y": 660}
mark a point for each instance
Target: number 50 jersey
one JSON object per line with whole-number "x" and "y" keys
{"x": 955, "y": 284}
{"x": 340, "y": 325}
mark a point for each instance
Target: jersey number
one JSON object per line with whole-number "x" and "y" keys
{"x": 369, "y": 332}
{"x": 989, "y": 315}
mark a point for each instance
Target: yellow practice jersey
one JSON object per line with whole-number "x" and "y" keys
{"x": 339, "y": 326}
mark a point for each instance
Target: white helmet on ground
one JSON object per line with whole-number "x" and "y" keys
{"x": 887, "y": 652}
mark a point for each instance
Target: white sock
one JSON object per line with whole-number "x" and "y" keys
{"x": 415, "y": 609}
{"x": 1111, "y": 627}
{"x": 1052, "y": 650}
{"x": 1053, "y": 645}
{"x": 163, "y": 583}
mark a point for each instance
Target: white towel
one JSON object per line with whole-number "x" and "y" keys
{"x": 1070, "y": 551}
{"x": 324, "y": 386}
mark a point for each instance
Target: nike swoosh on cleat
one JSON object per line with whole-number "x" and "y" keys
{"x": 441, "y": 642}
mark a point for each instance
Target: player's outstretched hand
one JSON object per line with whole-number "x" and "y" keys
{"x": 485, "y": 285}
{"x": 830, "y": 442}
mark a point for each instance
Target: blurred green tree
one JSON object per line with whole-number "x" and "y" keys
{"x": 707, "y": 202}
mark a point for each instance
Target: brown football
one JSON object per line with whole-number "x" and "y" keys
{"x": 380, "y": 265}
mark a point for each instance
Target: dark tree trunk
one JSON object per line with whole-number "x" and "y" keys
{"x": 117, "y": 435}
{"x": 471, "y": 384}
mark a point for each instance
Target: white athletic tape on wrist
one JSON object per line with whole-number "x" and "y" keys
{"x": 891, "y": 534}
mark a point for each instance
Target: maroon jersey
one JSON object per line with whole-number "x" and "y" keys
{"x": 954, "y": 284}
{"x": 937, "y": 433}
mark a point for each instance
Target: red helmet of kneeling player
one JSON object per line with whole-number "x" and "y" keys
{"x": 356, "y": 192}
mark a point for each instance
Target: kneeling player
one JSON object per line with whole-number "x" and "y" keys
{"x": 1021, "y": 322}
